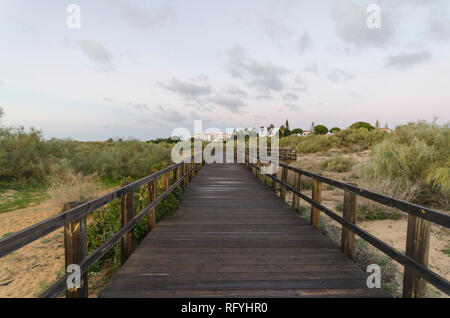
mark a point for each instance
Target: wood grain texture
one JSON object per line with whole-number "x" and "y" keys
{"x": 233, "y": 237}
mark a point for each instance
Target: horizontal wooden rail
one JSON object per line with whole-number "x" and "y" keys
{"x": 21, "y": 238}
{"x": 420, "y": 211}
{"x": 434, "y": 216}
{"x": 58, "y": 288}
{"x": 69, "y": 217}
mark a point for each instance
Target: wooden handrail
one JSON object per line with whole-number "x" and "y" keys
{"x": 36, "y": 231}
{"x": 414, "y": 264}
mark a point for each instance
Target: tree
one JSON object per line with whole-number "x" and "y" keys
{"x": 282, "y": 129}
{"x": 287, "y": 124}
{"x": 297, "y": 131}
{"x": 377, "y": 124}
{"x": 362, "y": 124}
{"x": 1, "y": 112}
{"x": 386, "y": 126}
{"x": 320, "y": 130}
{"x": 270, "y": 128}
{"x": 335, "y": 130}
{"x": 312, "y": 126}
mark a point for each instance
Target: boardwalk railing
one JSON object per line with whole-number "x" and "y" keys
{"x": 418, "y": 232}
{"x": 74, "y": 222}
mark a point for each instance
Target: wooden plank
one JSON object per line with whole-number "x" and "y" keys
{"x": 127, "y": 242}
{"x": 349, "y": 213}
{"x": 316, "y": 196}
{"x": 151, "y": 198}
{"x": 233, "y": 235}
{"x": 420, "y": 211}
{"x": 75, "y": 249}
{"x": 296, "y": 199}
{"x": 417, "y": 247}
{"x": 284, "y": 172}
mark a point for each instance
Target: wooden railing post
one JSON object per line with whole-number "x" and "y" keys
{"x": 75, "y": 248}
{"x": 316, "y": 196}
{"x": 151, "y": 198}
{"x": 192, "y": 175}
{"x": 417, "y": 247}
{"x": 165, "y": 184}
{"x": 296, "y": 198}
{"x": 127, "y": 241}
{"x": 175, "y": 175}
{"x": 284, "y": 173}
{"x": 349, "y": 213}
{"x": 185, "y": 170}
{"x": 274, "y": 183}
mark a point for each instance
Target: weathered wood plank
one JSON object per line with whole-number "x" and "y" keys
{"x": 234, "y": 236}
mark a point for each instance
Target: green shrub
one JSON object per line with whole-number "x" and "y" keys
{"x": 106, "y": 221}
{"x": 335, "y": 130}
{"x": 320, "y": 130}
{"x": 338, "y": 164}
{"x": 363, "y": 138}
{"x": 372, "y": 211}
{"x": 315, "y": 143}
{"x": 412, "y": 163}
{"x": 362, "y": 124}
{"x": 26, "y": 156}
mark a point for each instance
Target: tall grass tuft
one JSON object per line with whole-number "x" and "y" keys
{"x": 412, "y": 164}
{"x": 73, "y": 187}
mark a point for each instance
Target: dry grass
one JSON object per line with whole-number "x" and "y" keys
{"x": 73, "y": 187}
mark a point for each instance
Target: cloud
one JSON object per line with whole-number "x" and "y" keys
{"x": 275, "y": 30}
{"x": 97, "y": 53}
{"x": 338, "y": 75}
{"x": 408, "y": 60}
{"x": 265, "y": 77}
{"x": 300, "y": 85}
{"x": 140, "y": 107}
{"x": 290, "y": 96}
{"x": 1, "y": 82}
{"x": 304, "y": 43}
{"x": 189, "y": 90}
{"x": 312, "y": 67}
{"x": 350, "y": 23}
{"x": 236, "y": 91}
{"x": 293, "y": 107}
{"x": 145, "y": 18}
{"x": 233, "y": 104}
{"x": 439, "y": 25}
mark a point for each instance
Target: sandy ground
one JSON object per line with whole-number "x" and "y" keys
{"x": 30, "y": 270}
{"x": 392, "y": 232}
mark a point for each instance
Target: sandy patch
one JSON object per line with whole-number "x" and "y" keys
{"x": 30, "y": 270}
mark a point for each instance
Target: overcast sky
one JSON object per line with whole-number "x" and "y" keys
{"x": 142, "y": 68}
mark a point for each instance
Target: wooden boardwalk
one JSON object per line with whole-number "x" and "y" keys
{"x": 233, "y": 237}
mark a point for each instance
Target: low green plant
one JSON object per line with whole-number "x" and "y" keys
{"x": 106, "y": 221}
{"x": 315, "y": 143}
{"x": 17, "y": 195}
{"x": 373, "y": 211}
{"x": 338, "y": 164}
{"x": 413, "y": 163}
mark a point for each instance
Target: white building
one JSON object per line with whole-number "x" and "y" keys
{"x": 212, "y": 136}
